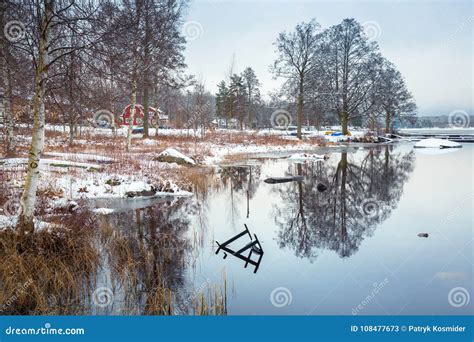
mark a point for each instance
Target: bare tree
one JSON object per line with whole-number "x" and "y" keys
{"x": 296, "y": 58}
{"x": 202, "y": 101}
{"x": 47, "y": 22}
{"x": 349, "y": 60}
{"x": 6, "y": 61}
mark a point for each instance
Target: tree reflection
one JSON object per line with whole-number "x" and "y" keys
{"x": 240, "y": 180}
{"x": 362, "y": 190}
{"x": 147, "y": 257}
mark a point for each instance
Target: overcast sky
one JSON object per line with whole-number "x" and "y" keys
{"x": 431, "y": 42}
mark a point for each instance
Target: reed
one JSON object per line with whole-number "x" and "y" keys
{"x": 47, "y": 272}
{"x": 212, "y": 300}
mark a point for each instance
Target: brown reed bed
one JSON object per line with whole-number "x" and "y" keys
{"x": 48, "y": 271}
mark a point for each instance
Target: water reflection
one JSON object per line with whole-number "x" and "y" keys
{"x": 361, "y": 192}
{"x": 153, "y": 256}
{"x": 147, "y": 257}
{"x": 240, "y": 180}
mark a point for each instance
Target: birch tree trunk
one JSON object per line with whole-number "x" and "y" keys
{"x": 7, "y": 106}
{"x": 28, "y": 199}
{"x": 146, "y": 72}
{"x": 8, "y": 114}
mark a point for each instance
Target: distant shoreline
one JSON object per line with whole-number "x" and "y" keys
{"x": 436, "y": 130}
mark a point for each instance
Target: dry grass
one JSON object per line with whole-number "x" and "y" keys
{"x": 201, "y": 179}
{"x": 57, "y": 271}
{"x": 212, "y": 301}
{"x": 114, "y": 146}
{"x": 139, "y": 269}
{"x": 48, "y": 272}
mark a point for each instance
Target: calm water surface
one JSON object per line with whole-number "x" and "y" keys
{"x": 351, "y": 249}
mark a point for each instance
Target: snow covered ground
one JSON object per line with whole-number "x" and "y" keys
{"x": 97, "y": 166}
{"x": 184, "y": 132}
{"x": 11, "y": 221}
{"x": 112, "y": 186}
{"x": 220, "y": 152}
{"x": 437, "y": 143}
{"x": 15, "y": 162}
{"x": 306, "y": 157}
{"x": 80, "y": 156}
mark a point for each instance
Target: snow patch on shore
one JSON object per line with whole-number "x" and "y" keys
{"x": 306, "y": 157}
{"x": 80, "y": 156}
{"x": 437, "y": 143}
{"x": 11, "y": 221}
{"x": 112, "y": 186}
{"x": 47, "y": 162}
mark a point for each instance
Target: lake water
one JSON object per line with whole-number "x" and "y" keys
{"x": 350, "y": 249}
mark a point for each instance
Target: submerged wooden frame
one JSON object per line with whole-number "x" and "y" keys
{"x": 253, "y": 245}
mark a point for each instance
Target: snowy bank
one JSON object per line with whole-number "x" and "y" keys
{"x": 437, "y": 143}
{"x": 306, "y": 157}
{"x": 116, "y": 186}
{"x": 48, "y": 162}
{"x": 11, "y": 221}
{"x": 80, "y": 156}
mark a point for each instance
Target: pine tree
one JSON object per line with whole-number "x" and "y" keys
{"x": 253, "y": 93}
{"x": 221, "y": 100}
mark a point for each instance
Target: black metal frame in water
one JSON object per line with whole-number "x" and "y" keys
{"x": 253, "y": 245}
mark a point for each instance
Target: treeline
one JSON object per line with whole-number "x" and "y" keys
{"x": 84, "y": 56}
{"x": 69, "y": 59}
{"x": 76, "y": 57}
{"x": 340, "y": 71}
{"x": 336, "y": 75}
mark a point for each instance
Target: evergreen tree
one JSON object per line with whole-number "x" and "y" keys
{"x": 253, "y": 93}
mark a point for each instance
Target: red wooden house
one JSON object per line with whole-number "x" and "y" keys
{"x": 154, "y": 114}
